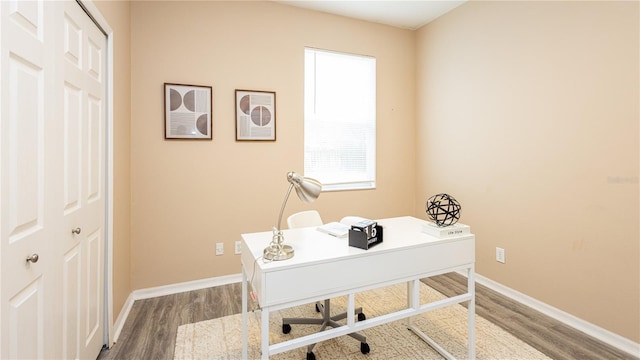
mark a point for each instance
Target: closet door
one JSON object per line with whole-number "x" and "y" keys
{"x": 83, "y": 205}
{"x": 31, "y": 159}
{"x": 52, "y": 207}
{"x": 83, "y": 177}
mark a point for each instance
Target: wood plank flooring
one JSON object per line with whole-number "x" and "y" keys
{"x": 150, "y": 330}
{"x": 549, "y": 336}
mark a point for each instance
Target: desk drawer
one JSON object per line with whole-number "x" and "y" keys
{"x": 311, "y": 281}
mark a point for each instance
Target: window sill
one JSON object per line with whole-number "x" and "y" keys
{"x": 348, "y": 186}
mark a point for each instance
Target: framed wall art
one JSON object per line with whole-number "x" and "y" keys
{"x": 255, "y": 115}
{"x": 187, "y": 112}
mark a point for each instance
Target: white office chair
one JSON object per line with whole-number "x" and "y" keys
{"x": 304, "y": 219}
{"x": 312, "y": 218}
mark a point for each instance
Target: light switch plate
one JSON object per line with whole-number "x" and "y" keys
{"x": 500, "y": 256}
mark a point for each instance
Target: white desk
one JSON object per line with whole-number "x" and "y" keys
{"x": 325, "y": 267}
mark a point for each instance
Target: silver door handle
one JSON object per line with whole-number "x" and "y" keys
{"x": 76, "y": 231}
{"x": 33, "y": 258}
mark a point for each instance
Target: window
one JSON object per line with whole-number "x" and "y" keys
{"x": 340, "y": 119}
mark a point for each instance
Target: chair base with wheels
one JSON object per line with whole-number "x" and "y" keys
{"x": 324, "y": 321}
{"x": 313, "y": 218}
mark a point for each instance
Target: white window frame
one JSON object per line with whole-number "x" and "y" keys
{"x": 340, "y": 139}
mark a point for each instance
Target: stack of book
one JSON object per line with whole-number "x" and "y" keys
{"x": 456, "y": 229}
{"x": 335, "y": 228}
{"x": 340, "y": 229}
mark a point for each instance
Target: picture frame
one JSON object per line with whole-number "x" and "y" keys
{"x": 187, "y": 112}
{"x": 255, "y": 115}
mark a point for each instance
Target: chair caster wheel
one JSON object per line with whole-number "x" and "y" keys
{"x": 317, "y": 308}
{"x": 362, "y": 317}
{"x": 286, "y": 328}
{"x": 364, "y": 348}
{"x": 311, "y": 356}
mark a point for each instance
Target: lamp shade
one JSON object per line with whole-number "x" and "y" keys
{"x": 308, "y": 189}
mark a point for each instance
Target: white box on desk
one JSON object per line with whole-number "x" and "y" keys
{"x": 456, "y": 229}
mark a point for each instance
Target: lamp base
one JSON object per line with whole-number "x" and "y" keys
{"x": 276, "y": 255}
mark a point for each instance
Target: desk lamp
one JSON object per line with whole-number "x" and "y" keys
{"x": 308, "y": 190}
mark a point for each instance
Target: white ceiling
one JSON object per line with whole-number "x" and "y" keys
{"x": 399, "y": 13}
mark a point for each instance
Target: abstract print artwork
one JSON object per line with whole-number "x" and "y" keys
{"x": 255, "y": 115}
{"x": 187, "y": 112}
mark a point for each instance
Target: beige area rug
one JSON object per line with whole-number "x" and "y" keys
{"x": 222, "y": 338}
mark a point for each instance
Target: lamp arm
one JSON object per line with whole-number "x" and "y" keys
{"x": 284, "y": 203}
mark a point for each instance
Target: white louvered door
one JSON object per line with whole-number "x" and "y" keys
{"x": 52, "y": 177}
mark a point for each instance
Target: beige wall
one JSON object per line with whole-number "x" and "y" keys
{"x": 117, "y": 14}
{"x": 528, "y": 114}
{"x": 541, "y": 101}
{"x": 188, "y": 195}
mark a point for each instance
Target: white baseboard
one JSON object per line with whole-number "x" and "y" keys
{"x": 168, "y": 290}
{"x": 119, "y": 324}
{"x": 185, "y": 286}
{"x": 586, "y": 327}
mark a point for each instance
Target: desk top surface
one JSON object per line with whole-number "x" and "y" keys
{"x": 313, "y": 246}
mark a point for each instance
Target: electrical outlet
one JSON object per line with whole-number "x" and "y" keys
{"x": 219, "y": 248}
{"x": 500, "y": 256}
{"x": 237, "y": 249}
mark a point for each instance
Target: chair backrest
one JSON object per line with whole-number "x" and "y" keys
{"x": 304, "y": 218}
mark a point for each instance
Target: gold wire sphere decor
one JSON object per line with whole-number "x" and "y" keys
{"x": 443, "y": 209}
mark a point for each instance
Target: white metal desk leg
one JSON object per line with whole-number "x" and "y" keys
{"x": 409, "y": 297}
{"x": 245, "y": 339}
{"x": 413, "y": 299}
{"x": 351, "y": 309}
{"x": 265, "y": 333}
{"x": 471, "y": 283}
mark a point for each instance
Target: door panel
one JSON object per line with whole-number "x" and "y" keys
{"x": 72, "y": 41}
{"x": 24, "y": 148}
{"x": 95, "y": 149}
{"x": 28, "y": 15}
{"x": 96, "y": 57}
{"x": 71, "y": 300}
{"x": 72, "y": 148}
{"x": 93, "y": 290}
{"x": 52, "y": 181}
{"x": 26, "y": 322}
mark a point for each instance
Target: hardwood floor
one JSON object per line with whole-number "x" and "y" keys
{"x": 549, "y": 336}
{"x": 150, "y": 330}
